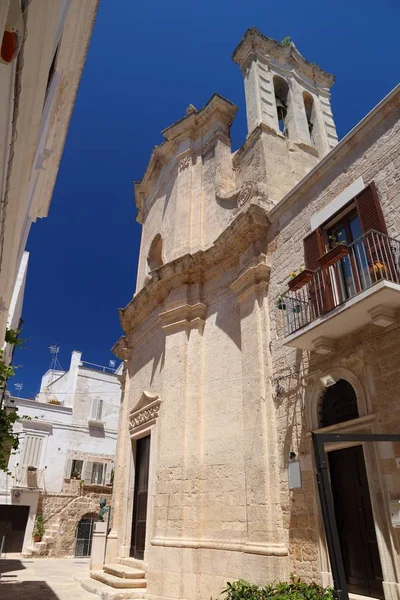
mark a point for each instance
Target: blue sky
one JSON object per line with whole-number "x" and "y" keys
{"x": 146, "y": 63}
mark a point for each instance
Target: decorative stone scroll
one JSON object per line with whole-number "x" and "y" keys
{"x": 184, "y": 163}
{"x": 144, "y": 412}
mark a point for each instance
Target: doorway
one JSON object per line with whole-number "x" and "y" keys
{"x": 138, "y": 536}
{"x": 84, "y": 536}
{"x": 355, "y": 521}
{"x": 13, "y": 520}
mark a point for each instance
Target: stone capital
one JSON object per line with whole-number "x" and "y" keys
{"x": 185, "y": 316}
{"x": 253, "y": 278}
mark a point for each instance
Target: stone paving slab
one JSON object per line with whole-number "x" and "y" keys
{"x": 43, "y": 579}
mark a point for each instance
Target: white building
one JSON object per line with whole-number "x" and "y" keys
{"x": 67, "y": 448}
{"x": 43, "y": 50}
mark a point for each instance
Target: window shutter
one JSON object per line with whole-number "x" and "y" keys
{"x": 313, "y": 249}
{"x": 369, "y": 209}
{"x": 68, "y": 468}
{"x": 87, "y": 470}
{"x": 32, "y": 452}
{"x": 108, "y": 468}
{"x": 99, "y": 409}
{"x": 94, "y": 409}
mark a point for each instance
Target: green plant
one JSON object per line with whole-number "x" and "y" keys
{"x": 334, "y": 241}
{"x": 295, "y": 589}
{"x": 286, "y": 41}
{"x": 38, "y": 529}
{"x": 8, "y": 415}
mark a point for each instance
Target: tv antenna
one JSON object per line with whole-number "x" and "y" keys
{"x": 55, "y": 363}
{"x": 18, "y": 387}
{"x": 111, "y": 364}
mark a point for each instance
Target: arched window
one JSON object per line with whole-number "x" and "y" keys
{"x": 309, "y": 107}
{"x": 339, "y": 404}
{"x": 154, "y": 259}
{"x": 281, "y": 89}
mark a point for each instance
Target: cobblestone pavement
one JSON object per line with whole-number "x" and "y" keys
{"x": 43, "y": 579}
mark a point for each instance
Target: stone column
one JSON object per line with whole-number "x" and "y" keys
{"x": 117, "y": 540}
{"x": 264, "y": 519}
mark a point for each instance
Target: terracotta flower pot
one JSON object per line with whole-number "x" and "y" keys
{"x": 333, "y": 255}
{"x": 37, "y": 538}
{"x": 300, "y": 280}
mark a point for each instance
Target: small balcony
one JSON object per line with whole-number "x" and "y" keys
{"x": 360, "y": 286}
{"x": 28, "y": 477}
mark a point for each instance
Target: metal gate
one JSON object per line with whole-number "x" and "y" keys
{"x": 84, "y": 534}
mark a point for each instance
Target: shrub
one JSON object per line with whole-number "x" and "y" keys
{"x": 296, "y": 589}
{"x": 38, "y": 530}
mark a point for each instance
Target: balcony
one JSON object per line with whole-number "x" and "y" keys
{"x": 350, "y": 292}
{"x": 28, "y": 477}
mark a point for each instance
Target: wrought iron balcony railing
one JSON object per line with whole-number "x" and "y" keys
{"x": 26, "y": 478}
{"x": 370, "y": 259}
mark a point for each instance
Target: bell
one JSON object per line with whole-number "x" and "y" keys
{"x": 281, "y": 108}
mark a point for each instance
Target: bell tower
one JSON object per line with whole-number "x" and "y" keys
{"x": 285, "y": 93}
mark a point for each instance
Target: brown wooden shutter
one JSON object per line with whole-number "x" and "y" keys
{"x": 369, "y": 209}
{"x": 313, "y": 249}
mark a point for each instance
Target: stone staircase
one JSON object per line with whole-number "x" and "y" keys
{"x": 45, "y": 547}
{"x": 116, "y": 581}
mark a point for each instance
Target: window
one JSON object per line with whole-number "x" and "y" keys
{"x": 76, "y": 469}
{"x": 281, "y": 89}
{"x": 32, "y": 450}
{"x": 97, "y": 473}
{"x": 96, "y": 411}
{"x": 309, "y": 108}
{"x": 154, "y": 259}
{"x": 339, "y": 404}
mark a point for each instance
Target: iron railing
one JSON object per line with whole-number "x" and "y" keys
{"x": 370, "y": 259}
{"x": 26, "y": 478}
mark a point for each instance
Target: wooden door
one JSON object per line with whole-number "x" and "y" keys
{"x": 138, "y": 537}
{"x": 355, "y": 522}
{"x": 13, "y": 520}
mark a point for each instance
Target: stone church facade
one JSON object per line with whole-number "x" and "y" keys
{"x": 227, "y": 371}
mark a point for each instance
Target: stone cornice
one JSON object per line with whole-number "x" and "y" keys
{"x": 253, "y": 278}
{"x": 254, "y": 42}
{"x": 144, "y": 413}
{"x": 186, "y": 316}
{"x": 246, "y": 228}
{"x": 216, "y": 109}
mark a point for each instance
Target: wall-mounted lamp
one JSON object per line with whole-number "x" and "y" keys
{"x": 328, "y": 380}
{"x": 294, "y": 473}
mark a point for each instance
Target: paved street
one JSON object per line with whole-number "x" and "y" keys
{"x": 43, "y": 579}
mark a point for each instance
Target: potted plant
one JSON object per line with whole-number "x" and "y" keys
{"x": 31, "y": 477}
{"x": 280, "y": 303}
{"x": 75, "y": 474}
{"x": 298, "y": 280}
{"x": 38, "y": 530}
{"x": 334, "y": 252}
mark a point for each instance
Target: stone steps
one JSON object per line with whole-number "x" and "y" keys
{"x": 134, "y": 563}
{"x": 109, "y": 593}
{"x": 118, "y": 582}
{"x": 124, "y": 571}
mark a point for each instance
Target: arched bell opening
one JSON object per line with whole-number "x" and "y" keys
{"x": 309, "y": 108}
{"x": 155, "y": 258}
{"x": 281, "y": 90}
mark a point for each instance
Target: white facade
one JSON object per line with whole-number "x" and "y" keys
{"x": 38, "y": 89}
{"x": 69, "y": 433}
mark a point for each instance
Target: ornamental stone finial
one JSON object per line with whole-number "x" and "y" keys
{"x": 190, "y": 110}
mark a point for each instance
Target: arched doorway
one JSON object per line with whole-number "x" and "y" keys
{"x": 351, "y": 496}
{"x": 84, "y": 535}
